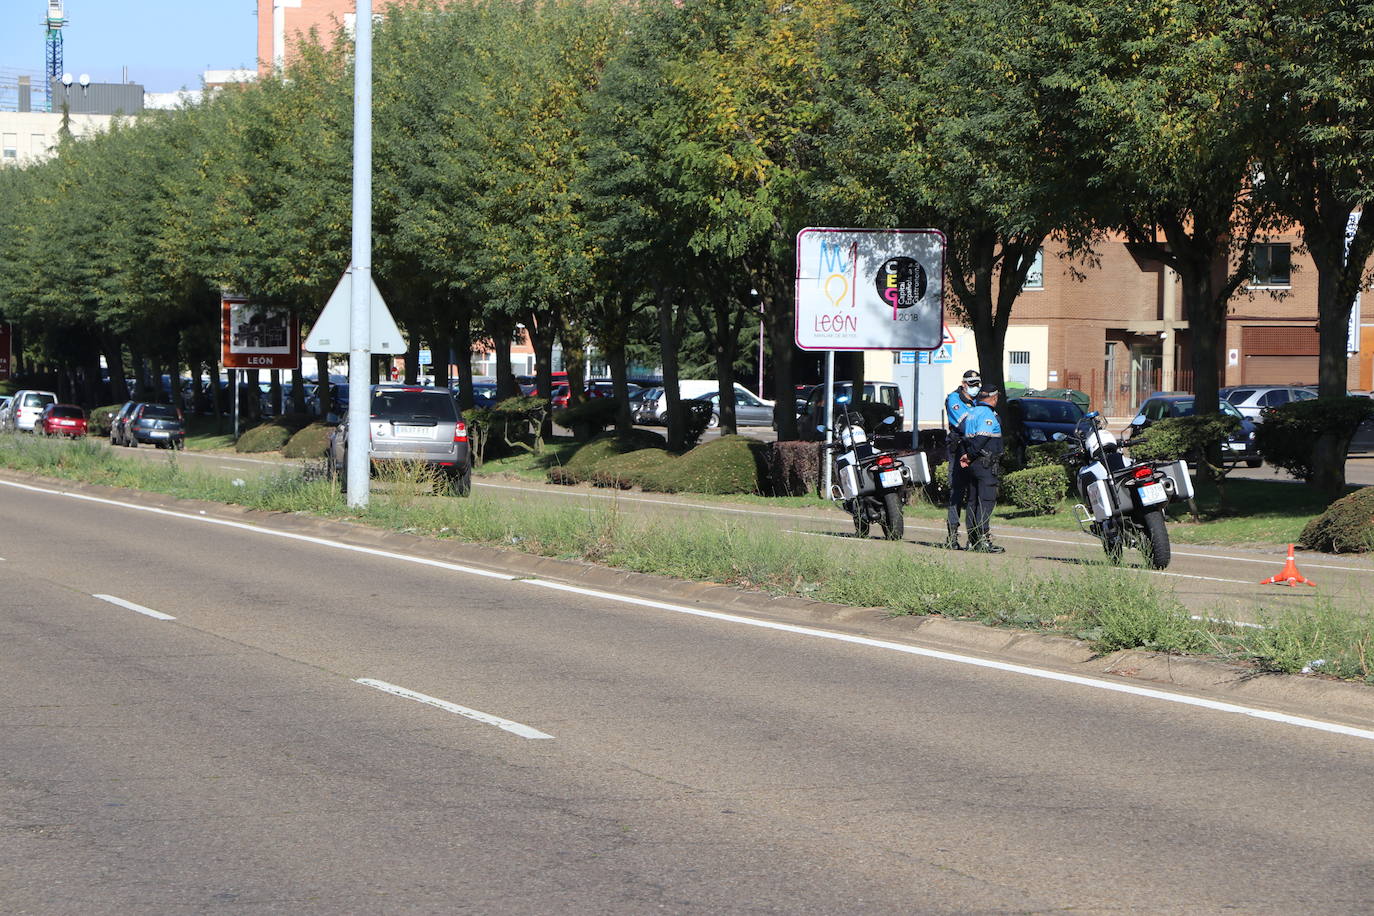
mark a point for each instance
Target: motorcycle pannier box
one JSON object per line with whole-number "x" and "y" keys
{"x": 849, "y": 481}
{"x": 919, "y": 467}
{"x": 1099, "y": 501}
{"x": 1180, "y": 482}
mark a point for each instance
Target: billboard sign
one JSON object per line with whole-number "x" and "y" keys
{"x": 254, "y": 336}
{"x": 870, "y": 289}
{"x": 6, "y": 341}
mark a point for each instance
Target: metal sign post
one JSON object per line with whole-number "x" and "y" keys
{"x": 359, "y": 353}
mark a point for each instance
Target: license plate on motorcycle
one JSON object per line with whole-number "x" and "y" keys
{"x": 1152, "y": 494}
{"x": 890, "y": 478}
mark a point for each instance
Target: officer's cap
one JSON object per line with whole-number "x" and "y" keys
{"x": 971, "y": 375}
{"x": 987, "y": 393}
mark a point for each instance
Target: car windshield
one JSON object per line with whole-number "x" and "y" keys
{"x": 161, "y": 411}
{"x": 1051, "y": 411}
{"x": 1185, "y": 409}
{"x": 392, "y": 404}
{"x": 1237, "y": 395}
{"x": 38, "y": 400}
{"x": 68, "y": 411}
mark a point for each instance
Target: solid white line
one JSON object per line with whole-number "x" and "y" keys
{"x": 1095, "y": 683}
{"x": 515, "y": 728}
{"x": 243, "y": 526}
{"x": 129, "y": 605}
{"x": 731, "y": 618}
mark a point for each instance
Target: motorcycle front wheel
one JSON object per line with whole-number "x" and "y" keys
{"x": 894, "y": 523}
{"x": 1155, "y": 544}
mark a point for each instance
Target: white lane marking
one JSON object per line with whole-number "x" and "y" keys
{"x": 515, "y": 728}
{"x": 243, "y": 526}
{"x": 1003, "y": 533}
{"x": 732, "y": 618}
{"x": 1026, "y": 670}
{"x": 129, "y": 605}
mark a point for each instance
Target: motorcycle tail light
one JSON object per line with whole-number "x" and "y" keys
{"x": 1142, "y": 473}
{"x": 885, "y": 461}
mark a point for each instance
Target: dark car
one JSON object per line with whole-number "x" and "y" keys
{"x": 1237, "y": 448}
{"x": 1034, "y": 421}
{"x": 411, "y": 423}
{"x": 61, "y": 420}
{"x": 161, "y": 425}
{"x": 120, "y": 421}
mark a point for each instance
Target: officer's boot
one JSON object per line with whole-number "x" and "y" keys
{"x": 982, "y": 542}
{"x": 952, "y": 538}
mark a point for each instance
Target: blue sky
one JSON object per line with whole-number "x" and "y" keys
{"x": 166, "y": 44}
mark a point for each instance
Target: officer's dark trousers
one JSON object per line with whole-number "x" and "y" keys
{"x": 982, "y": 497}
{"x": 959, "y": 478}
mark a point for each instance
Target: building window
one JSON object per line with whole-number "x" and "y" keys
{"x": 10, "y": 146}
{"x": 1035, "y": 277}
{"x": 1273, "y": 265}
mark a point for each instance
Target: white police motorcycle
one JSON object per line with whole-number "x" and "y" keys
{"x": 1123, "y": 500}
{"x": 871, "y": 484}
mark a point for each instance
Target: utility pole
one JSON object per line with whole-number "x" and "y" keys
{"x": 360, "y": 346}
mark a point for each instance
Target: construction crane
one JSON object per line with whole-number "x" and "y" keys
{"x": 53, "y": 24}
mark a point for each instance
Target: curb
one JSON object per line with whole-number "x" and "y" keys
{"x": 1352, "y": 703}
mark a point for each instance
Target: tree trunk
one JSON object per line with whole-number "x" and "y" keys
{"x": 541, "y": 330}
{"x": 114, "y": 359}
{"x": 439, "y": 358}
{"x": 501, "y": 327}
{"x": 322, "y": 382}
{"x": 669, "y": 333}
{"x": 779, "y": 315}
{"x": 574, "y": 360}
{"x": 615, "y": 357}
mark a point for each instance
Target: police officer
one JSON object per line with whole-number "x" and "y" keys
{"x": 957, "y": 405}
{"x": 982, "y": 451}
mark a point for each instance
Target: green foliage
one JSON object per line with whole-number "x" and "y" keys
{"x": 266, "y": 437}
{"x": 1347, "y": 526}
{"x": 588, "y": 458}
{"x": 1047, "y": 454}
{"x": 631, "y": 469}
{"x": 1188, "y": 438}
{"x": 1037, "y": 490}
{"x": 937, "y": 491}
{"x": 1289, "y": 433}
{"x": 505, "y": 428}
{"x": 98, "y": 423}
{"x": 794, "y": 468}
{"x": 730, "y": 464}
{"x": 589, "y": 418}
{"x": 697, "y": 418}
{"x": 1322, "y": 640}
{"x": 310, "y": 442}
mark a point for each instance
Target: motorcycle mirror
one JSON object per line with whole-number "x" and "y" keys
{"x": 1138, "y": 420}
{"x": 1093, "y": 415}
{"x": 842, "y": 399}
{"x": 888, "y": 421}
{"x": 820, "y": 428}
{"x": 1059, "y": 437}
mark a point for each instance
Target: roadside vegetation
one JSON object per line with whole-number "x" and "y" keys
{"x": 1110, "y": 608}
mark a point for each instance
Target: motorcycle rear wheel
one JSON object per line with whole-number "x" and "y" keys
{"x": 894, "y": 523}
{"x": 1155, "y": 544}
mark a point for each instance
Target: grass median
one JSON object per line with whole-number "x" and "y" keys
{"x": 1109, "y": 607}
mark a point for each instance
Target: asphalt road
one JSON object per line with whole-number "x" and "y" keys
{"x": 646, "y": 758}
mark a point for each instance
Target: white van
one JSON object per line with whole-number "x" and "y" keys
{"x": 691, "y": 388}
{"x": 25, "y": 408}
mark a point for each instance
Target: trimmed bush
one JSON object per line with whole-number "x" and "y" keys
{"x": 98, "y": 423}
{"x": 730, "y": 464}
{"x": 794, "y": 468}
{"x": 588, "y": 419}
{"x": 588, "y": 458}
{"x": 1347, "y": 525}
{"x": 311, "y": 442}
{"x": 268, "y": 437}
{"x": 1182, "y": 437}
{"x": 1037, "y": 490}
{"x": 630, "y": 469}
{"x": 511, "y": 425}
{"x": 937, "y": 491}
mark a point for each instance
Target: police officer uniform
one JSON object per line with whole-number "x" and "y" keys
{"x": 982, "y": 445}
{"x": 957, "y": 405}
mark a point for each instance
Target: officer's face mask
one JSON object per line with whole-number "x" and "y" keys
{"x": 973, "y": 390}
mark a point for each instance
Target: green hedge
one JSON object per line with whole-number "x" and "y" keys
{"x": 1288, "y": 433}
{"x": 1347, "y": 525}
{"x": 311, "y": 442}
{"x": 98, "y": 423}
{"x": 273, "y": 435}
{"x": 1037, "y": 490}
{"x": 730, "y": 464}
{"x": 631, "y": 469}
{"x": 583, "y": 462}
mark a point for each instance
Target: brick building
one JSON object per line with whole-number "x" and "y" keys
{"x": 281, "y": 21}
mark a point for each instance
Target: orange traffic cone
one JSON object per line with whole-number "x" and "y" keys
{"x": 1289, "y": 575}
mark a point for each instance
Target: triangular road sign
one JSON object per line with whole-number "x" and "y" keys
{"x": 948, "y": 337}
{"x": 333, "y": 330}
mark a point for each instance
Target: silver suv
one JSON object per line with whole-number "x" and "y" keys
{"x": 409, "y": 423}
{"x": 1251, "y": 400}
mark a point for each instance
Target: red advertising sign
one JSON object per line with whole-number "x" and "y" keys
{"x": 254, "y": 336}
{"x": 5, "y": 341}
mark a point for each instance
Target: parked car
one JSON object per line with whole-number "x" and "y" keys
{"x": 1237, "y": 448}
{"x": 654, "y": 409}
{"x": 1033, "y": 421}
{"x": 4, "y": 408}
{"x": 750, "y": 410}
{"x": 161, "y": 425}
{"x": 813, "y": 414}
{"x": 61, "y": 420}
{"x": 411, "y": 423}
{"x": 120, "y": 421}
{"x": 1251, "y": 400}
{"x": 25, "y": 408}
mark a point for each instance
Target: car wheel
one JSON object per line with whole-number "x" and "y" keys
{"x": 714, "y": 422}
{"x": 132, "y": 441}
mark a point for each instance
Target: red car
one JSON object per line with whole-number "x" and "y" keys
{"x": 61, "y": 420}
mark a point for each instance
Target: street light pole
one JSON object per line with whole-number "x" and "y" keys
{"x": 360, "y": 344}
